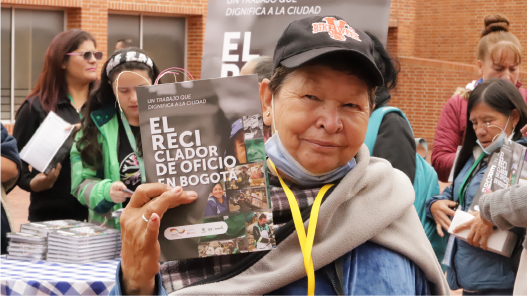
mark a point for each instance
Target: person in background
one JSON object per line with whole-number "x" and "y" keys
{"x": 11, "y": 166}
{"x": 499, "y": 55}
{"x": 69, "y": 74}
{"x": 243, "y": 180}
{"x": 123, "y": 43}
{"x": 236, "y": 146}
{"x": 262, "y": 234}
{"x": 217, "y": 203}
{"x": 263, "y": 66}
{"x": 106, "y": 158}
{"x": 246, "y": 205}
{"x": 318, "y": 103}
{"x": 495, "y": 111}
{"x": 395, "y": 140}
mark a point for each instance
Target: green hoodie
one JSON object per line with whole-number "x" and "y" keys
{"x": 92, "y": 187}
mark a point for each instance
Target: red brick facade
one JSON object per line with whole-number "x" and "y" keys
{"x": 434, "y": 41}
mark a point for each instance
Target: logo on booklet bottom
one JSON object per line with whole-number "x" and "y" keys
{"x": 337, "y": 30}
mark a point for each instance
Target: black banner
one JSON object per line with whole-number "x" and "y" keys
{"x": 240, "y": 30}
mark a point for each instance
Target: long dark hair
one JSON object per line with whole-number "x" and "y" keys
{"x": 502, "y": 96}
{"x": 103, "y": 97}
{"x": 52, "y": 83}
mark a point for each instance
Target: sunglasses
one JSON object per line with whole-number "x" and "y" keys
{"x": 88, "y": 54}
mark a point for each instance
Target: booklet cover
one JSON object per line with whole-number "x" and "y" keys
{"x": 207, "y": 136}
{"x": 49, "y": 145}
{"x": 504, "y": 170}
{"x": 86, "y": 233}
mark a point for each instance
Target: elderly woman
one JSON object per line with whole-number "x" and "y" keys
{"x": 368, "y": 237}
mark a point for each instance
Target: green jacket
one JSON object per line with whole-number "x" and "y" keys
{"x": 92, "y": 187}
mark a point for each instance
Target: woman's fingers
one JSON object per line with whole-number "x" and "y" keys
{"x": 439, "y": 229}
{"x": 464, "y": 226}
{"x": 145, "y": 192}
{"x": 169, "y": 199}
{"x": 476, "y": 239}
{"x": 483, "y": 242}
{"x": 152, "y": 229}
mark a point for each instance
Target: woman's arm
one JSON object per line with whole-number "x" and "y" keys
{"x": 10, "y": 164}
{"x": 87, "y": 186}
{"x": 9, "y": 169}
{"x": 26, "y": 124}
{"x": 447, "y": 139}
{"x": 505, "y": 208}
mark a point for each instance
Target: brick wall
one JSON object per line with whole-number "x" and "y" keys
{"x": 435, "y": 43}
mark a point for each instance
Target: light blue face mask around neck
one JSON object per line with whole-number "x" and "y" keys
{"x": 288, "y": 165}
{"x": 498, "y": 142}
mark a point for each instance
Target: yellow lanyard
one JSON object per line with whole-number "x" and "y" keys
{"x": 306, "y": 243}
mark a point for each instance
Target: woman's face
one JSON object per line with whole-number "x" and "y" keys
{"x": 79, "y": 70}
{"x": 502, "y": 65}
{"x": 217, "y": 191}
{"x": 321, "y": 116}
{"x": 485, "y": 121}
{"x": 124, "y": 90}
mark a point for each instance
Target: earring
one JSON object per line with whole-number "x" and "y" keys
{"x": 268, "y": 113}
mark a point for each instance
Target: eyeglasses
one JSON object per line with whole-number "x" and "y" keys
{"x": 88, "y": 54}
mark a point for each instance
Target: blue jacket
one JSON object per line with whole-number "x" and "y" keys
{"x": 369, "y": 269}
{"x": 214, "y": 207}
{"x": 472, "y": 268}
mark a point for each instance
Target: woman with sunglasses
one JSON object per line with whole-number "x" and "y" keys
{"x": 68, "y": 76}
{"x": 106, "y": 159}
{"x": 495, "y": 111}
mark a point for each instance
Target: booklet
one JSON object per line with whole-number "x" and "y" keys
{"x": 504, "y": 170}
{"x": 49, "y": 145}
{"x": 207, "y": 136}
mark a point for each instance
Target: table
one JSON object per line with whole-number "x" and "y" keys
{"x": 49, "y": 278}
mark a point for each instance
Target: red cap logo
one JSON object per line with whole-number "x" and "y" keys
{"x": 337, "y": 30}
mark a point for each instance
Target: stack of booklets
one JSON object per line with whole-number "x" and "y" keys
{"x": 31, "y": 242}
{"x": 24, "y": 246}
{"x": 83, "y": 244}
{"x": 67, "y": 241}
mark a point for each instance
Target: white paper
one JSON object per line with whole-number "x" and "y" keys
{"x": 46, "y": 142}
{"x": 501, "y": 241}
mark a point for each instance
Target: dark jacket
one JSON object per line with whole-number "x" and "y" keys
{"x": 395, "y": 140}
{"x": 9, "y": 150}
{"x": 55, "y": 203}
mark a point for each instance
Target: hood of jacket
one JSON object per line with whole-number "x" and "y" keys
{"x": 382, "y": 97}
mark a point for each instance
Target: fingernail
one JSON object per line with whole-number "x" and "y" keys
{"x": 154, "y": 218}
{"x": 487, "y": 190}
{"x": 177, "y": 189}
{"x": 192, "y": 194}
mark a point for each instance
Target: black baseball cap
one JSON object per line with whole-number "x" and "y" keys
{"x": 308, "y": 38}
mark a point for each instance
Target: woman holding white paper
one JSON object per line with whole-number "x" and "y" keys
{"x": 495, "y": 111}
{"x": 507, "y": 209}
{"x": 318, "y": 103}
{"x": 106, "y": 158}
{"x": 69, "y": 74}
